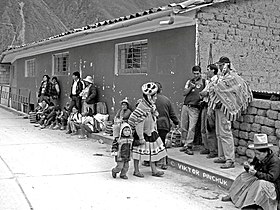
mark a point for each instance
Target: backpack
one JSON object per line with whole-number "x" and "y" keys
{"x": 101, "y": 108}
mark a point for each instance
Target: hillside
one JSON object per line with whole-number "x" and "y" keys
{"x": 27, "y": 21}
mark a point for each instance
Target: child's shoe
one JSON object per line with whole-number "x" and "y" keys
{"x": 123, "y": 177}
{"x": 69, "y": 132}
{"x": 114, "y": 174}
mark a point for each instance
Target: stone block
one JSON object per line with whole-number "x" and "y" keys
{"x": 242, "y": 142}
{"x": 249, "y": 118}
{"x": 262, "y": 112}
{"x": 235, "y": 133}
{"x": 245, "y": 126}
{"x": 251, "y": 136}
{"x": 260, "y": 103}
{"x": 272, "y": 139}
{"x": 278, "y": 116}
{"x": 275, "y": 149}
{"x": 269, "y": 122}
{"x": 243, "y": 158}
{"x": 243, "y": 135}
{"x": 272, "y": 114}
{"x": 252, "y": 110}
{"x": 236, "y": 124}
{"x": 257, "y": 127}
{"x": 275, "y": 105}
{"x": 268, "y": 130}
{"x": 277, "y": 133}
{"x": 277, "y": 124}
{"x": 241, "y": 150}
{"x": 240, "y": 119}
{"x": 250, "y": 153}
{"x": 259, "y": 120}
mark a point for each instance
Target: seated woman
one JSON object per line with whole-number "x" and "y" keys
{"x": 257, "y": 187}
{"x": 87, "y": 126}
{"x": 74, "y": 121}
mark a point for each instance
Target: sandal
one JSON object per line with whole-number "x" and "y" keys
{"x": 158, "y": 173}
{"x": 138, "y": 174}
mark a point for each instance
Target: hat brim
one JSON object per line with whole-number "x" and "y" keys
{"x": 88, "y": 81}
{"x": 253, "y": 146}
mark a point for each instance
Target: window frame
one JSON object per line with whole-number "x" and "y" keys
{"x": 27, "y": 68}
{"x": 56, "y": 72}
{"x": 142, "y": 69}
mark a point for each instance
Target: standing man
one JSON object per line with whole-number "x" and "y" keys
{"x": 191, "y": 109}
{"x": 229, "y": 97}
{"x": 166, "y": 113}
{"x": 76, "y": 89}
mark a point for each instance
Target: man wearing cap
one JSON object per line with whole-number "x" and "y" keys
{"x": 258, "y": 187}
{"x": 191, "y": 109}
{"x": 228, "y": 97}
{"x": 89, "y": 95}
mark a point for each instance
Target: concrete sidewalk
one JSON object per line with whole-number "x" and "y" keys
{"x": 195, "y": 165}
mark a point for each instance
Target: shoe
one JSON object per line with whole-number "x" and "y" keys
{"x": 220, "y": 160}
{"x": 226, "y": 198}
{"x": 68, "y": 132}
{"x": 62, "y": 128}
{"x": 189, "y": 152}
{"x": 164, "y": 167}
{"x": 205, "y": 152}
{"x": 74, "y": 133}
{"x": 138, "y": 174}
{"x": 114, "y": 174}
{"x": 146, "y": 163}
{"x": 158, "y": 173}
{"x": 183, "y": 149}
{"x": 56, "y": 127}
{"x": 82, "y": 137}
{"x": 42, "y": 126}
{"x": 212, "y": 155}
{"x": 123, "y": 177}
{"x": 228, "y": 164}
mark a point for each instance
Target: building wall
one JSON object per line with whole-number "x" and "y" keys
{"x": 262, "y": 116}
{"x": 248, "y": 32}
{"x": 171, "y": 54}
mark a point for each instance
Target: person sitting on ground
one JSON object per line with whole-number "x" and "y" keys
{"x": 74, "y": 121}
{"x": 121, "y": 149}
{"x": 259, "y": 186}
{"x": 50, "y": 115}
{"x": 41, "y": 110}
{"x": 61, "y": 119}
{"x": 87, "y": 126}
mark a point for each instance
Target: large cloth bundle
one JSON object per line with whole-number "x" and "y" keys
{"x": 233, "y": 94}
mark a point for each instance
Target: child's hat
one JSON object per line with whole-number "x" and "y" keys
{"x": 149, "y": 88}
{"x": 125, "y": 100}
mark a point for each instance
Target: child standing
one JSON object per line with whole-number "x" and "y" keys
{"x": 121, "y": 149}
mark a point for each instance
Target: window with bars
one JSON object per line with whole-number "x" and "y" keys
{"x": 30, "y": 68}
{"x": 61, "y": 64}
{"x": 131, "y": 57}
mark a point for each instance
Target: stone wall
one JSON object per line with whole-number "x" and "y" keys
{"x": 248, "y": 32}
{"x": 262, "y": 116}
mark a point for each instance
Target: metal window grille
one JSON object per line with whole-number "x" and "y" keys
{"x": 132, "y": 58}
{"x": 61, "y": 64}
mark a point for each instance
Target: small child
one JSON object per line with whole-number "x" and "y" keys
{"x": 61, "y": 119}
{"x": 74, "y": 121}
{"x": 121, "y": 149}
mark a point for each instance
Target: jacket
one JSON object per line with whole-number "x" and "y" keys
{"x": 166, "y": 113}
{"x": 79, "y": 88}
{"x": 269, "y": 170}
{"x": 92, "y": 95}
{"x": 47, "y": 91}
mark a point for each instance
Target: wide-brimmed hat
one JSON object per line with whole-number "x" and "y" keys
{"x": 89, "y": 79}
{"x": 260, "y": 142}
{"x": 149, "y": 88}
{"x": 125, "y": 100}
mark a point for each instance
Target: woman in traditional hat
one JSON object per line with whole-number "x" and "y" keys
{"x": 124, "y": 112}
{"x": 257, "y": 187}
{"x": 143, "y": 120}
{"x": 89, "y": 95}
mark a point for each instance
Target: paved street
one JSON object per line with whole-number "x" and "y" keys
{"x": 49, "y": 170}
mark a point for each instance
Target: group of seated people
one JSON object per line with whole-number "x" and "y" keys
{"x": 53, "y": 117}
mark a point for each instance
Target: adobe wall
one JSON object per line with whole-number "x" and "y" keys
{"x": 248, "y": 32}
{"x": 262, "y": 116}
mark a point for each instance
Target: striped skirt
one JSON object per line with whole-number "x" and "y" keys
{"x": 248, "y": 190}
{"x": 152, "y": 150}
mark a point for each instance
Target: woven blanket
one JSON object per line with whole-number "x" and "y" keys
{"x": 139, "y": 114}
{"x": 234, "y": 95}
